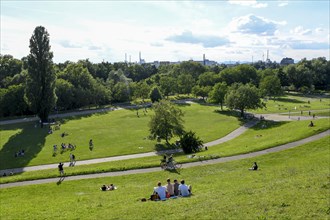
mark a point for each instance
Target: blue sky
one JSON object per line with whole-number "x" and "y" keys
{"x": 169, "y": 30}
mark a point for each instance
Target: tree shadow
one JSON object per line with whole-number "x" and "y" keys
{"x": 161, "y": 147}
{"x": 267, "y": 124}
{"x": 30, "y": 138}
{"x": 235, "y": 114}
{"x": 288, "y": 100}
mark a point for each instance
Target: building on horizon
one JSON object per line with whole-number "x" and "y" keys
{"x": 286, "y": 61}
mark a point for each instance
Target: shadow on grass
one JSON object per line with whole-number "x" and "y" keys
{"x": 265, "y": 124}
{"x": 288, "y": 100}
{"x": 164, "y": 147}
{"x": 30, "y": 138}
{"x": 176, "y": 171}
{"x": 235, "y": 114}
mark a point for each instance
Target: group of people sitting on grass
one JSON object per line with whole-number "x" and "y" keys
{"x": 20, "y": 153}
{"x": 108, "y": 188}
{"x": 170, "y": 190}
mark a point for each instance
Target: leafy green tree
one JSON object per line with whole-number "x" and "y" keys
{"x": 166, "y": 122}
{"x": 190, "y": 143}
{"x": 217, "y": 94}
{"x": 65, "y": 94}
{"x": 40, "y": 85}
{"x": 185, "y": 83}
{"x": 270, "y": 86}
{"x": 208, "y": 79}
{"x": 155, "y": 94}
{"x": 9, "y": 66}
{"x": 243, "y": 97}
{"x": 192, "y": 68}
{"x": 12, "y": 101}
{"x": 202, "y": 91}
{"x": 167, "y": 85}
{"x": 121, "y": 92}
{"x": 140, "y": 90}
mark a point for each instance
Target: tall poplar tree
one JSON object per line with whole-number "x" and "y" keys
{"x": 40, "y": 88}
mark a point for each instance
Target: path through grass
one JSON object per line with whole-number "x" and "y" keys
{"x": 292, "y": 184}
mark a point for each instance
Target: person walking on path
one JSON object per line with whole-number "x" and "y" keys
{"x": 60, "y": 169}
{"x": 72, "y": 159}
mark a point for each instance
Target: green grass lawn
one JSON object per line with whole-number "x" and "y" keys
{"x": 292, "y": 184}
{"x": 262, "y": 136}
{"x": 294, "y": 103}
{"x": 114, "y": 133}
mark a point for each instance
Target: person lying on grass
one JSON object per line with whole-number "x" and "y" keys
{"x": 108, "y": 188}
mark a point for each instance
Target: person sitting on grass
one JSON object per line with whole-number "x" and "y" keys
{"x": 254, "y": 167}
{"x": 112, "y": 187}
{"x": 311, "y": 124}
{"x": 104, "y": 188}
{"x": 176, "y": 188}
{"x": 169, "y": 187}
{"x": 185, "y": 190}
{"x": 161, "y": 191}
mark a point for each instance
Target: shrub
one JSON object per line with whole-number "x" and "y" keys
{"x": 190, "y": 142}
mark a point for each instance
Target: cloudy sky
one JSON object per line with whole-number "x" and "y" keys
{"x": 169, "y": 30}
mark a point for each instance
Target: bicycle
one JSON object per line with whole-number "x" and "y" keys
{"x": 172, "y": 165}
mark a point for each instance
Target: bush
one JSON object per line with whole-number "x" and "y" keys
{"x": 190, "y": 143}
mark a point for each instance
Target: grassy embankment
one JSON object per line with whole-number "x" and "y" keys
{"x": 114, "y": 133}
{"x": 262, "y": 136}
{"x": 292, "y": 184}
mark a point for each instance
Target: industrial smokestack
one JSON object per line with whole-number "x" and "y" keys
{"x": 204, "y": 59}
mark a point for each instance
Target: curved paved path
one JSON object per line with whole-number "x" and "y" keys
{"x": 228, "y": 137}
{"x": 192, "y": 164}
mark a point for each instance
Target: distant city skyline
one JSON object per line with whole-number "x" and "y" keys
{"x": 169, "y": 30}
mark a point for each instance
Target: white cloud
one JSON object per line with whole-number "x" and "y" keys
{"x": 299, "y": 30}
{"x": 205, "y": 40}
{"x": 283, "y": 3}
{"x": 250, "y": 3}
{"x": 252, "y": 24}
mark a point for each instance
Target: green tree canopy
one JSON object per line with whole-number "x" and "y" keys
{"x": 217, "y": 94}
{"x": 270, "y": 86}
{"x": 243, "y": 97}
{"x": 166, "y": 122}
{"x": 190, "y": 143}
{"x": 155, "y": 94}
{"x": 40, "y": 86}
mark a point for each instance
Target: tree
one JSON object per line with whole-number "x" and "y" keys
{"x": 155, "y": 94}
{"x": 166, "y": 122}
{"x": 168, "y": 85}
{"x": 40, "y": 85}
{"x": 217, "y": 94}
{"x": 190, "y": 143}
{"x": 270, "y": 86}
{"x": 202, "y": 91}
{"x": 243, "y": 97}
{"x": 185, "y": 83}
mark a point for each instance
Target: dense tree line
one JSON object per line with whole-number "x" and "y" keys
{"x": 83, "y": 83}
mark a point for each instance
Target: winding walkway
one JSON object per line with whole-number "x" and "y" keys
{"x": 192, "y": 164}
{"x": 228, "y": 137}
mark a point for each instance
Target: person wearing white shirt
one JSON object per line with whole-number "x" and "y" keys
{"x": 184, "y": 189}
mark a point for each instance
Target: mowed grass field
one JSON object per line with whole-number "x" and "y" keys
{"x": 264, "y": 135}
{"x": 292, "y": 184}
{"x": 114, "y": 133}
{"x": 296, "y": 103}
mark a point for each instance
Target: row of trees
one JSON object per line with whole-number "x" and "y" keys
{"x": 36, "y": 85}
